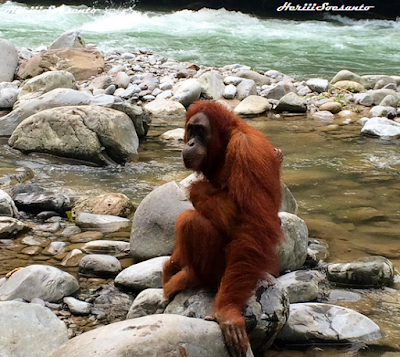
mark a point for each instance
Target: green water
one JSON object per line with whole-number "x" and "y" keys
{"x": 218, "y": 37}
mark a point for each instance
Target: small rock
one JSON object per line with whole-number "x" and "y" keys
{"x": 102, "y": 223}
{"x": 381, "y": 127}
{"x": 7, "y": 205}
{"x": 99, "y": 266}
{"x": 346, "y": 75}
{"x": 323, "y": 116}
{"x": 245, "y": 88}
{"x": 85, "y": 237}
{"x": 232, "y": 80}
{"x": 9, "y": 227}
{"x": 253, "y": 105}
{"x": 8, "y": 60}
{"x": 69, "y": 39}
{"x": 188, "y": 92}
{"x": 163, "y": 109}
{"x": 389, "y": 101}
{"x": 55, "y": 248}
{"x": 212, "y": 85}
{"x": 351, "y": 86}
{"x": 173, "y": 135}
{"x": 73, "y": 258}
{"x": 291, "y": 102}
{"x": 114, "y": 248}
{"x": 78, "y": 307}
{"x": 122, "y": 80}
{"x": 333, "y": 107}
{"x": 229, "y": 91}
{"x": 148, "y": 302}
{"x": 380, "y": 111}
{"x": 318, "y": 85}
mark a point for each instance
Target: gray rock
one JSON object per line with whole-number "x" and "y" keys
{"x": 291, "y": 102}
{"x": 266, "y": 312}
{"x": 316, "y": 322}
{"x": 38, "y": 281}
{"x": 389, "y": 101}
{"x": 128, "y": 92}
{"x": 8, "y": 97}
{"x": 114, "y": 248}
{"x": 29, "y": 330}
{"x": 188, "y": 92}
{"x": 173, "y": 135}
{"x": 384, "y": 82}
{"x": 288, "y": 203}
{"x": 380, "y": 111}
{"x": 245, "y": 88}
{"x": 381, "y": 127}
{"x": 9, "y": 227}
{"x": 148, "y": 302}
{"x": 303, "y": 90}
{"x": 258, "y": 78}
{"x": 165, "y": 95}
{"x": 149, "y": 336}
{"x": 318, "y": 85}
{"x": 252, "y": 105}
{"x": 55, "y": 248}
{"x": 301, "y": 285}
{"x": 91, "y": 133}
{"x": 343, "y": 295}
{"x": 56, "y": 98}
{"x": 323, "y": 116}
{"x": 154, "y": 221}
{"x": 229, "y": 91}
{"x": 78, "y": 307}
{"x": 102, "y": 222}
{"x": 73, "y": 258}
{"x": 8, "y": 60}
{"x": 365, "y": 272}
{"x": 212, "y": 85}
{"x": 142, "y": 275}
{"x": 168, "y": 110}
{"x": 122, "y": 80}
{"x": 277, "y": 91}
{"x": 316, "y": 252}
{"x": 370, "y": 80}
{"x": 232, "y": 80}
{"x": 70, "y": 231}
{"x": 39, "y": 302}
{"x": 166, "y": 86}
{"x": 373, "y": 97}
{"x": 69, "y": 39}
{"x": 292, "y": 252}
{"x": 391, "y": 86}
{"x": 7, "y": 205}
{"x": 110, "y": 90}
{"x": 44, "y": 83}
{"x": 99, "y": 266}
{"x": 345, "y": 75}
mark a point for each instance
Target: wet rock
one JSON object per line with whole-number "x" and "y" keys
{"x": 292, "y": 252}
{"x": 266, "y": 312}
{"x": 85, "y": 237}
{"x": 333, "y": 107}
{"x": 78, "y": 307}
{"x": 193, "y": 337}
{"x": 8, "y": 60}
{"x": 115, "y": 204}
{"x": 245, "y": 88}
{"x": 343, "y": 295}
{"x": 173, "y": 135}
{"x": 380, "y": 111}
{"x": 142, "y": 275}
{"x": 38, "y": 281}
{"x": 188, "y": 92}
{"x": 44, "y": 83}
{"x": 381, "y": 127}
{"x": 69, "y": 39}
{"x": 345, "y": 75}
{"x": 44, "y": 215}
{"x": 140, "y": 117}
{"x": 316, "y": 322}
{"x": 81, "y": 132}
{"x": 168, "y": 110}
{"x": 8, "y": 95}
{"x": 148, "y": 302}
{"x": 55, "y": 248}
{"x": 82, "y": 63}
{"x": 39, "y": 331}
{"x": 323, "y": 116}
{"x": 366, "y": 272}
{"x": 277, "y": 91}
{"x": 288, "y": 203}
{"x": 35, "y": 250}
{"x": 33, "y": 241}
{"x": 318, "y": 85}
{"x": 99, "y": 266}
{"x": 316, "y": 252}
{"x": 102, "y": 223}
{"x": 47, "y": 227}
{"x": 9, "y": 227}
{"x": 114, "y": 248}
{"x": 351, "y": 86}
{"x": 7, "y": 205}
{"x": 360, "y": 214}
{"x": 73, "y": 258}
{"x": 301, "y": 285}
{"x": 291, "y": 102}
{"x": 253, "y": 105}
{"x": 33, "y": 198}
{"x": 56, "y": 98}
{"x": 258, "y": 78}
{"x": 154, "y": 221}
{"x": 212, "y": 85}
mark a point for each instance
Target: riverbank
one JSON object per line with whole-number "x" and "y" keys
{"x": 140, "y": 86}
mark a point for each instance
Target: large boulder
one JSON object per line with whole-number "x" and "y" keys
{"x": 59, "y": 97}
{"x": 150, "y": 336}
{"x": 91, "y": 133}
{"x": 44, "y": 83}
{"x": 8, "y": 60}
{"x": 316, "y": 322}
{"x": 38, "y": 281}
{"x": 82, "y": 63}
{"x": 29, "y": 330}
{"x": 266, "y": 312}
{"x": 69, "y": 39}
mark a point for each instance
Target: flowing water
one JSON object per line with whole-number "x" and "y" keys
{"x": 302, "y": 49}
{"x": 336, "y": 175}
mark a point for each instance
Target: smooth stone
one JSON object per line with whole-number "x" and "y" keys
{"x": 99, "y": 266}
{"x": 229, "y": 92}
{"x": 291, "y": 102}
{"x": 7, "y": 205}
{"x": 318, "y": 85}
{"x": 212, "y": 85}
{"x": 381, "y": 127}
{"x": 351, "y": 86}
{"x": 69, "y": 39}
{"x": 78, "y": 307}
{"x": 102, "y": 223}
{"x": 344, "y": 74}
{"x": 9, "y": 227}
{"x": 173, "y": 135}
{"x": 333, "y": 107}
{"x": 167, "y": 110}
{"x": 148, "y": 302}
{"x": 323, "y": 116}
{"x": 114, "y": 248}
{"x": 8, "y": 60}
{"x": 252, "y": 105}
{"x": 246, "y": 88}
{"x": 188, "y": 92}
